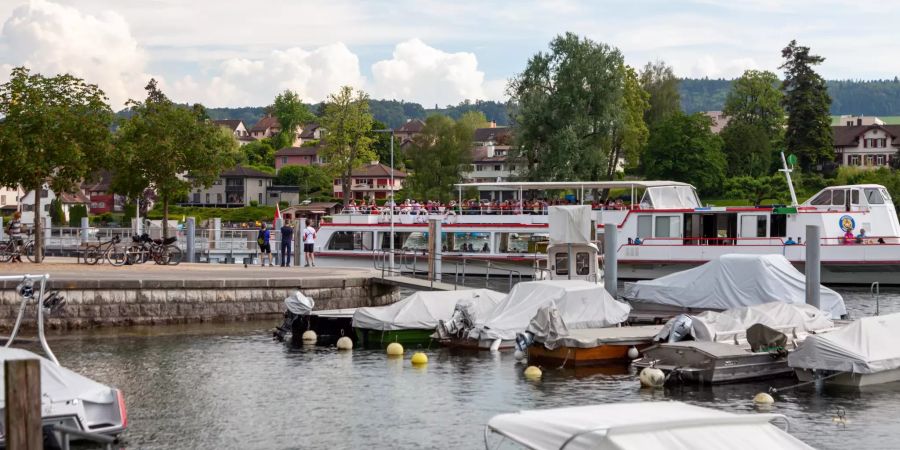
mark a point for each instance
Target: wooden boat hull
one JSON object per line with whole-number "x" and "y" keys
{"x": 368, "y": 338}
{"x": 571, "y": 357}
{"x": 848, "y": 379}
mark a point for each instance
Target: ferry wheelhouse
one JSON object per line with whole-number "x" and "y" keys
{"x": 667, "y": 230}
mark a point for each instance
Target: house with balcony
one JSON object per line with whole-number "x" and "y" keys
{"x": 371, "y": 181}
{"x": 235, "y": 187}
{"x": 865, "y": 142}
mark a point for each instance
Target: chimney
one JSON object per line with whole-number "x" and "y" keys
{"x": 493, "y": 124}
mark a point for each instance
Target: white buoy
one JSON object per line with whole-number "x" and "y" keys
{"x": 495, "y": 346}
{"x": 633, "y": 353}
{"x": 520, "y": 355}
{"x": 394, "y": 349}
{"x": 763, "y": 399}
{"x": 533, "y": 372}
{"x": 652, "y": 377}
{"x": 309, "y": 336}
{"x": 345, "y": 343}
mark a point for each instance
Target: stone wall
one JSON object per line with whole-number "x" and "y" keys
{"x": 150, "y": 302}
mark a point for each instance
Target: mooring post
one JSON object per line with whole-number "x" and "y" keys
{"x": 438, "y": 249}
{"x": 279, "y": 222}
{"x": 299, "y": 256}
{"x": 189, "y": 228}
{"x": 610, "y": 264}
{"x": 1, "y": 229}
{"x": 84, "y": 230}
{"x": 23, "y": 404}
{"x": 813, "y": 265}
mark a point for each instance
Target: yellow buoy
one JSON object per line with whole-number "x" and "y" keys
{"x": 763, "y": 399}
{"x": 344, "y": 343}
{"x": 652, "y": 377}
{"x": 533, "y": 372}
{"x": 309, "y": 336}
{"x": 394, "y": 349}
{"x": 419, "y": 359}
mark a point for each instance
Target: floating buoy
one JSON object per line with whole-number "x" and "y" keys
{"x": 309, "y": 336}
{"x": 533, "y": 372}
{"x": 633, "y": 353}
{"x": 495, "y": 346}
{"x": 763, "y": 399}
{"x": 394, "y": 349}
{"x": 652, "y": 377}
{"x": 344, "y": 343}
{"x": 520, "y": 355}
{"x": 419, "y": 359}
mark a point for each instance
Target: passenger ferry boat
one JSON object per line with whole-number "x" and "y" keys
{"x": 668, "y": 230}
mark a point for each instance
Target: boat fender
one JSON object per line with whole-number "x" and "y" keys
{"x": 763, "y": 399}
{"x": 309, "y": 337}
{"x": 394, "y": 349}
{"x": 419, "y": 359}
{"x": 533, "y": 373}
{"x": 495, "y": 346}
{"x": 344, "y": 343}
{"x": 520, "y": 355}
{"x": 652, "y": 377}
{"x": 633, "y": 353}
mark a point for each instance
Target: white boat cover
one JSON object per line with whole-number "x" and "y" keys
{"x": 641, "y": 426}
{"x": 420, "y": 311}
{"x": 733, "y": 323}
{"x": 868, "y": 345}
{"x": 581, "y": 304}
{"x": 570, "y": 224}
{"x": 734, "y": 280}
{"x": 57, "y": 383}
{"x": 299, "y": 304}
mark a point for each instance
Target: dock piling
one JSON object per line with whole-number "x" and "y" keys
{"x": 610, "y": 261}
{"x": 23, "y": 404}
{"x": 813, "y": 265}
{"x": 189, "y": 227}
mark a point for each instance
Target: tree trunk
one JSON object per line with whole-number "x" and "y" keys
{"x": 38, "y": 229}
{"x": 165, "y": 219}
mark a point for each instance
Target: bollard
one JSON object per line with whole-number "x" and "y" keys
{"x": 813, "y": 266}
{"x": 1, "y": 229}
{"x": 84, "y": 230}
{"x": 22, "y": 379}
{"x": 276, "y": 249}
{"x": 299, "y": 256}
{"x": 436, "y": 249}
{"x": 189, "y": 228}
{"x": 610, "y": 264}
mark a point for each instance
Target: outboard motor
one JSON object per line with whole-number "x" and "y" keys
{"x": 296, "y": 305}
{"x": 676, "y": 329}
{"x": 523, "y": 340}
{"x": 463, "y": 318}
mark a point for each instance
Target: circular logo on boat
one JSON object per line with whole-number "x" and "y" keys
{"x": 847, "y": 223}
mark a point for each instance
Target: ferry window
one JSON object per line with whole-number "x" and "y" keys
{"x": 839, "y": 197}
{"x": 778, "y": 225}
{"x": 468, "y": 242}
{"x": 562, "y": 263}
{"x": 753, "y": 226}
{"x": 873, "y": 196}
{"x": 854, "y": 197}
{"x": 822, "y": 199}
{"x": 515, "y": 243}
{"x": 644, "y": 226}
{"x": 667, "y": 226}
{"x": 351, "y": 240}
{"x": 582, "y": 263}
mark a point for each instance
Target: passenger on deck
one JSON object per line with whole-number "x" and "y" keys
{"x": 790, "y": 241}
{"x": 861, "y": 237}
{"x": 849, "y": 238}
{"x": 485, "y": 249}
{"x": 638, "y": 241}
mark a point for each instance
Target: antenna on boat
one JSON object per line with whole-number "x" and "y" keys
{"x": 787, "y": 174}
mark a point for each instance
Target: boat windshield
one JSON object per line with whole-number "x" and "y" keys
{"x": 873, "y": 196}
{"x": 670, "y": 197}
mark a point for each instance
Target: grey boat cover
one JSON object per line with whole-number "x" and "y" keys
{"x": 58, "y": 384}
{"x": 578, "y": 304}
{"x": 733, "y": 323}
{"x": 299, "y": 304}
{"x": 420, "y": 311}
{"x": 732, "y": 281}
{"x": 867, "y": 345}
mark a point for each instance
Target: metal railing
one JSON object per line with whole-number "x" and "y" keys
{"x": 407, "y": 263}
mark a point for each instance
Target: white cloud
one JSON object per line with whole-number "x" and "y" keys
{"x": 51, "y": 38}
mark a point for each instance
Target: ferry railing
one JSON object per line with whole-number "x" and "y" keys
{"x": 406, "y": 263}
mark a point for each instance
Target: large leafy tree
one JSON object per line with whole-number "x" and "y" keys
{"x": 565, "y": 105}
{"x": 748, "y": 149}
{"x": 312, "y": 180}
{"x": 438, "y": 156}
{"x": 630, "y": 132}
{"x": 348, "y": 139}
{"x": 170, "y": 148}
{"x": 259, "y": 153}
{"x": 682, "y": 148}
{"x": 54, "y": 131}
{"x": 756, "y": 190}
{"x": 659, "y": 80}
{"x": 754, "y": 99}
{"x": 807, "y": 104}
{"x": 381, "y": 145}
{"x": 291, "y": 113}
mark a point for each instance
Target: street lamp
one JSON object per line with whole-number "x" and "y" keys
{"x": 392, "y": 200}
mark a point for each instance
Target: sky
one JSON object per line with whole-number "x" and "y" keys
{"x": 228, "y": 53}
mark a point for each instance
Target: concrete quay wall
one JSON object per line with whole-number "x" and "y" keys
{"x": 95, "y": 303}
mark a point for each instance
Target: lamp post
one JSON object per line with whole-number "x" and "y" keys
{"x": 392, "y": 201}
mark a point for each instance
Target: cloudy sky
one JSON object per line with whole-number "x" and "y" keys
{"x": 229, "y": 53}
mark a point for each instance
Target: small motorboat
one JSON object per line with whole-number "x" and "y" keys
{"x": 68, "y": 399}
{"x": 865, "y": 352}
{"x": 640, "y": 426}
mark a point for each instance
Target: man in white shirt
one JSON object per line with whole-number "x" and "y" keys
{"x": 309, "y": 241}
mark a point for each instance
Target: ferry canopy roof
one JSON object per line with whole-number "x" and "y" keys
{"x": 540, "y": 185}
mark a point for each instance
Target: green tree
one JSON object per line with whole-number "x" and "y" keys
{"x": 659, "y": 80}
{"x": 76, "y": 213}
{"x": 169, "y": 148}
{"x": 474, "y": 119}
{"x": 348, "y": 141}
{"x": 381, "y": 145}
{"x": 748, "y": 149}
{"x": 754, "y": 99}
{"x": 565, "y": 106}
{"x": 54, "y": 131}
{"x": 439, "y": 155}
{"x": 258, "y": 153}
{"x": 630, "y": 133}
{"x": 57, "y": 215}
{"x": 291, "y": 113}
{"x": 807, "y": 103}
{"x": 312, "y": 180}
{"x": 756, "y": 189}
{"x": 682, "y": 148}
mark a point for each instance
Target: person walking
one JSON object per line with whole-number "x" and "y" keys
{"x": 287, "y": 238}
{"x": 265, "y": 249}
{"x": 14, "y": 230}
{"x": 309, "y": 242}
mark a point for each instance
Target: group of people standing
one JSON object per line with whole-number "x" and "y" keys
{"x": 264, "y": 239}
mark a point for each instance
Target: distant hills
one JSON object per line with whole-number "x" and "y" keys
{"x": 870, "y": 98}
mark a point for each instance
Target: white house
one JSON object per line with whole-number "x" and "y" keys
{"x": 26, "y": 204}
{"x": 870, "y": 146}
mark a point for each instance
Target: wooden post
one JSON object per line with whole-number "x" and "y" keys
{"x": 23, "y": 404}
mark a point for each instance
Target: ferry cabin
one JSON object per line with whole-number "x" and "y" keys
{"x": 666, "y": 231}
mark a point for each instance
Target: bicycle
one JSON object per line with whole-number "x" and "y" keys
{"x": 162, "y": 252}
{"x": 11, "y": 249}
{"x": 109, "y": 250}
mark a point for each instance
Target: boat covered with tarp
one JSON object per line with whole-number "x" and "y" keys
{"x": 640, "y": 426}
{"x": 413, "y": 320}
{"x": 731, "y": 281}
{"x": 865, "y": 352}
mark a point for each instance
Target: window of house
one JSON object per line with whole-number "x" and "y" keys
{"x": 512, "y": 168}
{"x": 880, "y": 159}
{"x": 498, "y": 167}
{"x": 2, "y": 199}
{"x": 870, "y": 160}
{"x": 284, "y": 159}
{"x": 45, "y": 193}
{"x": 207, "y": 197}
{"x": 46, "y": 208}
{"x": 259, "y": 198}
{"x": 883, "y": 142}
{"x": 854, "y": 160}
{"x": 196, "y": 197}
{"x": 218, "y": 198}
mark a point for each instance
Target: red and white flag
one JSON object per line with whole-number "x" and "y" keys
{"x": 277, "y": 214}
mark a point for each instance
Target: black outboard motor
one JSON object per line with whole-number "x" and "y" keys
{"x": 296, "y": 305}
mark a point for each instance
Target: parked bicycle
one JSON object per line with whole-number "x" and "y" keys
{"x": 110, "y": 251}
{"x": 11, "y": 249}
{"x": 163, "y": 252}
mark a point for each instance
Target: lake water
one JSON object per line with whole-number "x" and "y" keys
{"x": 227, "y": 386}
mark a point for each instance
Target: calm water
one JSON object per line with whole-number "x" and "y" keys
{"x": 229, "y": 386}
